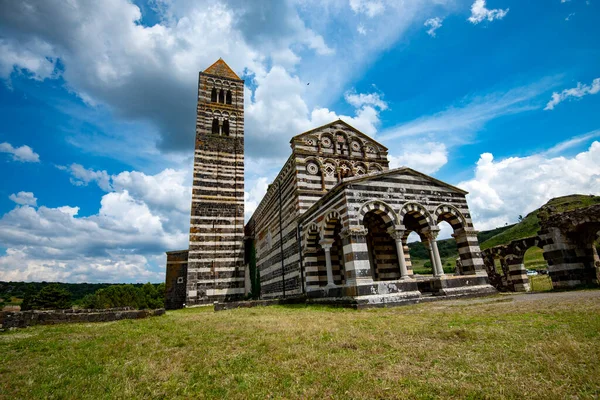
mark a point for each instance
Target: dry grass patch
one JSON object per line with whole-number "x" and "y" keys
{"x": 496, "y": 348}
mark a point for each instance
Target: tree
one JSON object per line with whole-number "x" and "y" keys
{"x": 50, "y": 297}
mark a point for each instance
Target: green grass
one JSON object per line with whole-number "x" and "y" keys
{"x": 530, "y": 225}
{"x": 463, "y": 349}
{"x": 540, "y": 283}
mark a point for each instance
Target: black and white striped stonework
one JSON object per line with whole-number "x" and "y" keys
{"x": 215, "y": 269}
{"x": 320, "y": 159}
{"x": 372, "y": 208}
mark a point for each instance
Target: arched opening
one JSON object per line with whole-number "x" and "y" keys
{"x": 222, "y": 96}
{"x": 419, "y": 259}
{"x": 226, "y": 127}
{"x": 229, "y": 97}
{"x": 213, "y": 95}
{"x": 215, "y": 126}
{"x": 447, "y": 248}
{"x": 536, "y": 269}
{"x": 420, "y": 249}
{"x": 383, "y": 255}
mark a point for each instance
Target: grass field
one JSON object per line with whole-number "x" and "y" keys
{"x": 500, "y": 347}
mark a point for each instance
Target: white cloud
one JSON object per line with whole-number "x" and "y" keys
{"x": 24, "y": 198}
{"x": 433, "y": 24}
{"x": 371, "y": 8}
{"x": 81, "y": 176}
{"x": 277, "y": 111}
{"x": 26, "y": 59}
{"x": 361, "y": 29}
{"x": 253, "y": 196}
{"x": 359, "y": 100}
{"x": 577, "y": 92}
{"x": 458, "y": 124}
{"x": 498, "y": 195}
{"x": 480, "y": 13}
{"x": 22, "y": 154}
{"x": 139, "y": 218}
{"x": 423, "y": 157}
{"x": 147, "y": 74}
{"x": 572, "y": 142}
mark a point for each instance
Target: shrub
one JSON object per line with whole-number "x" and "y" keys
{"x": 50, "y": 297}
{"x": 147, "y": 296}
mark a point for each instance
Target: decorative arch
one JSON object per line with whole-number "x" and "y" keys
{"x": 381, "y": 208}
{"x": 312, "y": 234}
{"x": 327, "y": 141}
{"x": 345, "y": 170}
{"x": 374, "y": 167}
{"x": 331, "y": 219}
{"x": 421, "y": 214}
{"x": 450, "y": 214}
{"x": 360, "y": 169}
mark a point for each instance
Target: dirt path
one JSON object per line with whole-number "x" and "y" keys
{"x": 525, "y": 297}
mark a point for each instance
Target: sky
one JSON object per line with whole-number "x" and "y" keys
{"x": 97, "y": 103}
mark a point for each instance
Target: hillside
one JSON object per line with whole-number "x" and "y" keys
{"x": 528, "y": 226}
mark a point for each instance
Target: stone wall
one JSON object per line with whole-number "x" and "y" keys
{"x": 176, "y": 279}
{"x": 22, "y": 319}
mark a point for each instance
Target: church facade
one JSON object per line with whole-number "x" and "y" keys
{"x": 332, "y": 227}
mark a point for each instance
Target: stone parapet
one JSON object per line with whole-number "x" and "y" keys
{"x": 22, "y": 319}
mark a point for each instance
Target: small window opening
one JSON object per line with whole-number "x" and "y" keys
{"x": 215, "y": 126}
{"x": 226, "y": 127}
{"x": 213, "y": 95}
{"x": 229, "y": 97}
{"x": 222, "y": 96}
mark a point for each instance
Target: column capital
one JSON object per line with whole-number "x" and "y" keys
{"x": 326, "y": 244}
{"x": 431, "y": 233}
{"x": 353, "y": 231}
{"x": 397, "y": 232}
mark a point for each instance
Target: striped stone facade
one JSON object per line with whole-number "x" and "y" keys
{"x": 335, "y": 222}
{"x": 215, "y": 258}
{"x": 320, "y": 159}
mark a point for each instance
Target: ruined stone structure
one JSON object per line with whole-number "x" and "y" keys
{"x": 22, "y": 319}
{"x": 213, "y": 267}
{"x": 568, "y": 240}
{"x": 333, "y": 225}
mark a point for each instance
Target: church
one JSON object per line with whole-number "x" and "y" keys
{"x": 332, "y": 227}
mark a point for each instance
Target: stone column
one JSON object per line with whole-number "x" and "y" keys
{"x": 435, "y": 254}
{"x": 469, "y": 252}
{"x": 356, "y": 256}
{"x": 397, "y": 234}
{"x": 326, "y": 245}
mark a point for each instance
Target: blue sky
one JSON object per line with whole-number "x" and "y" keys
{"x": 97, "y": 100}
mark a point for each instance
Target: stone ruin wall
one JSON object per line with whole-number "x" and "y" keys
{"x": 22, "y": 319}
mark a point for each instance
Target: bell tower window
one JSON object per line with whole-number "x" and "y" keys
{"x": 215, "y": 126}
{"x": 213, "y": 95}
{"x": 222, "y": 96}
{"x": 226, "y": 127}
{"x": 229, "y": 97}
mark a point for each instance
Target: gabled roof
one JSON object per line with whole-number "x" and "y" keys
{"x": 373, "y": 176}
{"x": 339, "y": 121}
{"x": 220, "y": 68}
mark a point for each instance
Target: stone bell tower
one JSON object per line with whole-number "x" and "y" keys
{"x": 215, "y": 269}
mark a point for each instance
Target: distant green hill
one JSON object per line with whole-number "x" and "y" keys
{"x": 528, "y": 226}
